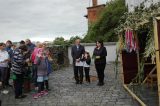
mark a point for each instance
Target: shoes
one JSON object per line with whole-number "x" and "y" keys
{"x": 48, "y": 89}
{"x": 100, "y": 83}
{"x": 36, "y": 96}
{"x": 80, "y": 82}
{"x": 20, "y": 97}
{"x": 77, "y": 82}
{"x": 44, "y": 93}
{"x": 88, "y": 82}
{"x": 9, "y": 85}
{"x": 5, "y": 91}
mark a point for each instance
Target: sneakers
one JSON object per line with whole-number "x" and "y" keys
{"x": 38, "y": 95}
{"x": 20, "y": 97}
{"x": 5, "y": 91}
{"x": 100, "y": 83}
{"x": 44, "y": 92}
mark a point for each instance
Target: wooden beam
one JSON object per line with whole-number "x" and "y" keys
{"x": 155, "y": 25}
{"x": 121, "y": 68}
{"x": 154, "y": 68}
{"x": 134, "y": 96}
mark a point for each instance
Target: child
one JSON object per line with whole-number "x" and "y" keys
{"x": 49, "y": 68}
{"x": 42, "y": 71}
{"x": 87, "y": 62}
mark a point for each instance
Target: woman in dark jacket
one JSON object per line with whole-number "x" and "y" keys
{"x": 100, "y": 54}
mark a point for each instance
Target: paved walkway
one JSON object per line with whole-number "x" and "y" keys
{"x": 66, "y": 93}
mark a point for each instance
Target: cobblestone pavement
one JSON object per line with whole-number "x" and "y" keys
{"x": 64, "y": 92}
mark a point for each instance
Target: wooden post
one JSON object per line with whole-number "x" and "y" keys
{"x": 138, "y": 62}
{"x": 134, "y": 96}
{"x": 157, "y": 53}
{"x": 121, "y": 60}
{"x": 121, "y": 68}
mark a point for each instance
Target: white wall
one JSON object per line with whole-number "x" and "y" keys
{"x": 111, "y": 51}
{"x": 134, "y": 3}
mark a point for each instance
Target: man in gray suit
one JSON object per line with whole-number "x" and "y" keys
{"x": 77, "y": 52}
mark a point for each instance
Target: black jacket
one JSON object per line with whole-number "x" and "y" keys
{"x": 88, "y": 61}
{"x": 102, "y": 52}
{"x": 77, "y": 53}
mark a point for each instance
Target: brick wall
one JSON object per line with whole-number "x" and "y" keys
{"x": 94, "y": 13}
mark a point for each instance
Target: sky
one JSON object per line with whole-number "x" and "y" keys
{"x": 42, "y": 20}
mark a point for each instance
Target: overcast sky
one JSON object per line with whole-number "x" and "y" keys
{"x": 42, "y": 19}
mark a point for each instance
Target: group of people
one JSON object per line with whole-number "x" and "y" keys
{"x": 24, "y": 60}
{"x": 28, "y": 59}
{"x": 82, "y": 60}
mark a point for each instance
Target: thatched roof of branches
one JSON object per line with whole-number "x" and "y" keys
{"x": 139, "y": 20}
{"x": 142, "y": 17}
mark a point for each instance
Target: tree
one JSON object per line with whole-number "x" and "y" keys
{"x": 60, "y": 41}
{"x": 73, "y": 38}
{"x": 104, "y": 27}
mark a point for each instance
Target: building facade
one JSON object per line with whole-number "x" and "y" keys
{"x": 94, "y": 12}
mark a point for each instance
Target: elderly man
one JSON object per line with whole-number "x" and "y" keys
{"x": 30, "y": 45}
{"x": 77, "y": 55}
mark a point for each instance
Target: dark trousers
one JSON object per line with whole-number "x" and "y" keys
{"x": 3, "y": 75}
{"x": 78, "y": 73}
{"x": 100, "y": 72}
{"x": 8, "y": 74}
{"x": 18, "y": 84}
{"x": 40, "y": 86}
{"x": 46, "y": 84}
{"x": 34, "y": 74}
{"x": 86, "y": 70}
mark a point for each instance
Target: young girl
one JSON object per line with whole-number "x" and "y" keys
{"x": 42, "y": 73}
{"x": 49, "y": 67}
{"x": 87, "y": 62}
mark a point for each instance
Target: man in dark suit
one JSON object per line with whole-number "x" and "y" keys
{"x": 77, "y": 52}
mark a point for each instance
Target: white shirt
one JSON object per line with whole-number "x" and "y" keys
{"x": 80, "y": 63}
{"x": 85, "y": 64}
{"x": 3, "y": 56}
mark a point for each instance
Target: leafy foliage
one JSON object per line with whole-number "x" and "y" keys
{"x": 60, "y": 41}
{"x": 73, "y": 38}
{"x": 141, "y": 20}
{"x": 108, "y": 21}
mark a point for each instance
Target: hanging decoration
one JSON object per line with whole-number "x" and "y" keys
{"x": 130, "y": 40}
